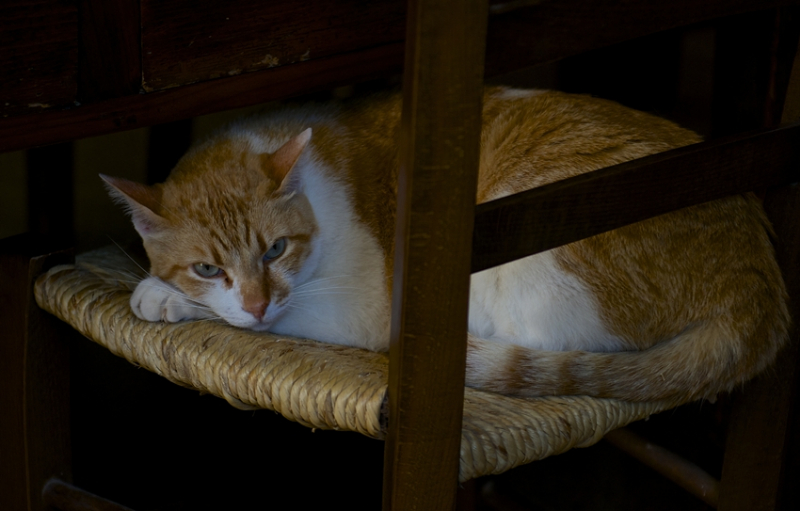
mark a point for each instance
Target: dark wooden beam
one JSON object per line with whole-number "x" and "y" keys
{"x": 762, "y": 458}
{"x": 66, "y": 497}
{"x": 110, "y": 55}
{"x": 34, "y": 377}
{"x": 559, "y": 213}
{"x": 38, "y": 55}
{"x": 439, "y": 148}
{"x": 681, "y": 471}
{"x": 520, "y": 34}
{"x": 761, "y": 431}
{"x": 183, "y": 42}
{"x": 141, "y": 110}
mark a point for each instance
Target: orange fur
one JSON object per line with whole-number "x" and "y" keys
{"x": 678, "y": 307}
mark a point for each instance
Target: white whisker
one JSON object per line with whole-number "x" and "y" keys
{"x": 322, "y": 280}
{"x": 304, "y": 309}
{"x": 129, "y": 256}
{"x": 306, "y": 292}
{"x": 306, "y": 297}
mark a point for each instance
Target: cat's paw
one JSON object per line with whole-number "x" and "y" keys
{"x": 155, "y": 300}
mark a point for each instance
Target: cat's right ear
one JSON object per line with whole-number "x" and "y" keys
{"x": 285, "y": 158}
{"x": 141, "y": 202}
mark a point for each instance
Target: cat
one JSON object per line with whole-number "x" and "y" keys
{"x": 285, "y": 222}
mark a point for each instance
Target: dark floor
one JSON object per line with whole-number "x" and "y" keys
{"x": 602, "y": 477}
{"x": 151, "y": 445}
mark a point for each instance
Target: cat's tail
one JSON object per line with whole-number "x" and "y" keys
{"x": 700, "y": 362}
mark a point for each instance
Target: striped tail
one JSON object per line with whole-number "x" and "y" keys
{"x": 699, "y": 363}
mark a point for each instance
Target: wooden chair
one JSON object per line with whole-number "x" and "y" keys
{"x": 443, "y": 77}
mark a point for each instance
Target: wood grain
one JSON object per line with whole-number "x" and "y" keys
{"x": 439, "y": 164}
{"x": 760, "y": 431}
{"x": 34, "y": 378}
{"x": 589, "y": 204}
{"x": 142, "y": 110}
{"x": 38, "y": 55}
{"x": 520, "y": 34}
{"x": 110, "y": 49}
{"x": 185, "y": 41}
{"x": 758, "y": 471}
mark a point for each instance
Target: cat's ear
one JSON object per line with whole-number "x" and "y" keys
{"x": 141, "y": 201}
{"x": 284, "y": 160}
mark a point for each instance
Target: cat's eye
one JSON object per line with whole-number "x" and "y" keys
{"x": 275, "y": 250}
{"x": 207, "y": 270}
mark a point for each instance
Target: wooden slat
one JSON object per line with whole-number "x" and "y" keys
{"x": 184, "y": 43}
{"x": 34, "y": 378}
{"x": 681, "y": 471}
{"x": 589, "y": 204}
{"x": 66, "y": 497}
{"x": 742, "y": 72}
{"x": 758, "y": 473}
{"x": 38, "y": 55}
{"x": 439, "y": 165}
{"x": 753, "y": 475}
{"x": 110, "y": 49}
{"x": 783, "y": 56}
{"x": 138, "y": 111}
{"x": 521, "y": 34}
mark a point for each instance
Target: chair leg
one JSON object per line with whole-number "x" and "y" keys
{"x": 34, "y": 379}
{"x": 756, "y": 451}
{"x": 435, "y": 208}
{"x": 65, "y": 497}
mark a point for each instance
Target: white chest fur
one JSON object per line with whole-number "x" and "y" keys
{"x": 532, "y": 302}
{"x": 343, "y": 300}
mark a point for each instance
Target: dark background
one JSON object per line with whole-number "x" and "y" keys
{"x": 151, "y": 445}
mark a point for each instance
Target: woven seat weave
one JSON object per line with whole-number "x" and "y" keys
{"x": 318, "y": 385}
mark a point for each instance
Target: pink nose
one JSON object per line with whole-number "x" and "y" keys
{"x": 257, "y": 309}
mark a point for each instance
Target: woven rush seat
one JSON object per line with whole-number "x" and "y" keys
{"x": 318, "y": 385}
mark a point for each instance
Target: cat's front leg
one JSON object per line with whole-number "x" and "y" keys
{"x": 156, "y": 300}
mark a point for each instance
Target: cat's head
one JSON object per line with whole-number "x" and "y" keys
{"x": 230, "y": 228}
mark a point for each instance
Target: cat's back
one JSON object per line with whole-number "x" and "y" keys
{"x": 534, "y": 137}
{"x": 651, "y": 279}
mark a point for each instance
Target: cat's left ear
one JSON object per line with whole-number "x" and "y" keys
{"x": 284, "y": 160}
{"x": 142, "y": 202}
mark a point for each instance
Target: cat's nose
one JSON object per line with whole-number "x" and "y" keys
{"x": 257, "y": 309}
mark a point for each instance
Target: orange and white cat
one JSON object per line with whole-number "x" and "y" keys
{"x": 284, "y": 222}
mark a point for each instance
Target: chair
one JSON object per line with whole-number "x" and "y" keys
{"x": 443, "y": 82}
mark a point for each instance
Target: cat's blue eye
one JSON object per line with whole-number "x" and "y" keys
{"x": 207, "y": 270}
{"x": 275, "y": 250}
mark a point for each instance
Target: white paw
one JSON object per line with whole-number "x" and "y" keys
{"x": 155, "y": 300}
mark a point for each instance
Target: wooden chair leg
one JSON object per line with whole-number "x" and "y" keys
{"x": 760, "y": 430}
{"x": 34, "y": 379}
{"x": 436, "y": 197}
{"x": 65, "y": 497}
{"x": 756, "y": 447}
